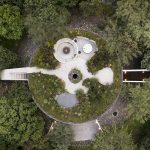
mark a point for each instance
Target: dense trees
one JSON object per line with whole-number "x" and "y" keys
{"x": 44, "y": 58}
{"x": 134, "y": 17}
{"x": 114, "y": 139}
{"x": 95, "y": 8}
{"x": 140, "y": 101}
{"x": 19, "y": 122}
{"x": 10, "y": 22}
{"x": 128, "y": 34}
{"x": 146, "y": 60}
{"x": 129, "y": 30}
{"x": 66, "y": 3}
{"x": 60, "y": 137}
{"x": 45, "y": 20}
{"x": 7, "y": 58}
{"x": 123, "y": 46}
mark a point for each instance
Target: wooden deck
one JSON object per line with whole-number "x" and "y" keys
{"x": 137, "y": 75}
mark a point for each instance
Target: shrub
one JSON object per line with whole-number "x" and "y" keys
{"x": 10, "y": 24}
{"x": 44, "y": 58}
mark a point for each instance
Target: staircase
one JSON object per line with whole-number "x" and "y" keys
{"x": 21, "y": 74}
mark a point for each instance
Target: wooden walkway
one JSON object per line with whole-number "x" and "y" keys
{"x": 136, "y": 75}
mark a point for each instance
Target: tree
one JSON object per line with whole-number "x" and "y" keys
{"x": 10, "y": 22}
{"x": 46, "y": 22}
{"x": 145, "y": 63}
{"x": 121, "y": 44}
{"x": 145, "y": 143}
{"x": 140, "y": 102}
{"x": 133, "y": 17}
{"x": 19, "y": 122}
{"x": 66, "y": 3}
{"x": 7, "y": 58}
{"x": 95, "y": 8}
{"x": 60, "y": 137}
{"x": 18, "y": 3}
{"x": 113, "y": 139}
{"x": 95, "y": 89}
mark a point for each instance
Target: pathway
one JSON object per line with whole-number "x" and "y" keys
{"x": 62, "y": 72}
{"x": 135, "y": 75}
{"x": 85, "y": 131}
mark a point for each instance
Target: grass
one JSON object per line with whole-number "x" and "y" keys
{"x": 44, "y": 89}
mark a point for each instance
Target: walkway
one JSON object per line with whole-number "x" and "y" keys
{"x": 85, "y": 131}
{"x": 135, "y": 75}
{"x": 62, "y": 72}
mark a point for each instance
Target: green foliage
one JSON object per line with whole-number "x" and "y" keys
{"x": 61, "y": 137}
{"x": 99, "y": 60}
{"x": 114, "y": 139}
{"x": 19, "y": 122}
{"x": 7, "y": 58}
{"x": 146, "y": 60}
{"x": 44, "y": 58}
{"x": 10, "y": 22}
{"x": 140, "y": 101}
{"x": 121, "y": 44}
{"x": 133, "y": 17}
{"x": 66, "y": 3}
{"x": 18, "y": 3}
{"x": 95, "y": 8}
{"x": 45, "y": 22}
{"x": 95, "y": 89}
{"x": 50, "y": 85}
{"x": 145, "y": 144}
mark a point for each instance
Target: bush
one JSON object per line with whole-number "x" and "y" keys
{"x": 44, "y": 58}
{"x": 50, "y": 85}
{"x": 11, "y": 23}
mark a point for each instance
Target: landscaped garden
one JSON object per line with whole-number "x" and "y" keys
{"x": 45, "y": 88}
{"x": 28, "y": 24}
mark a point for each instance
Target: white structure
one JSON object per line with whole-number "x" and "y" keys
{"x": 87, "y": 48}
{"x": 105, "y": 76}
{"x": 65, "y": 50}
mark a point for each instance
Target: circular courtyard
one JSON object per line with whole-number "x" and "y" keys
{"x": 80, "y": 80}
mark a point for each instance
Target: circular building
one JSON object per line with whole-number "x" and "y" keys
{"x": 65, "y": 50}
